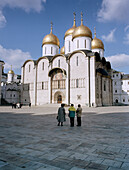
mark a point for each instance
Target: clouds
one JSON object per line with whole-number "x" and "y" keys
{"x": 26, "y": 5}
{"x": 16, "y": 58}
{"x": 126, "y": 38}
{"x": 110, "y": 37}
{"x": 119, "y": 61}
{"x": 114, "y": 10}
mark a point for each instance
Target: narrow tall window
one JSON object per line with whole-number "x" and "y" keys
{"x": 51, "y": 50}
{"x": 77, "y": 43}
{"x": 77, "y": 83}
{"x": 77, "y": 60}
{"x": 29, "y": 67}
{"x": 45, "y": 50}
{"x": 43, "y": 66}
{"x": 69, "y": 46}
{"x": 42, "y": 85}
{"x": 85, "y": 43}
{"x": 104, "y": 85}
{"x": 58, "y": 63}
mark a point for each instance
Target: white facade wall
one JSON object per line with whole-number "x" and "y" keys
{"x": 61, "y": 60}
{"x": 79, "y": 43}
{"x": 78, "y": 94}
{"x": 50, "y": 50}
{"x": 100, "y": 51}
{"x": 117, "y": 88}
{"x": 125, "y": 91}
{"x": 120, "y": 89}
{"x": 68, "y": 44}
{"x": 28, "y": 86}
{"x": 10, "y": 78}
{"x": 42, "y": 82}
{"x": 12, "y": 92}
{"x": 92, "y": 82}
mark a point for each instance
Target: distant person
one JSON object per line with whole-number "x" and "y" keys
{"x": 12, "y": 105}
{"x": 79, "y": 114}
{"x": 18, "y": 105}
{"x": 15, "y": 105}
{"x": 72, "y": 111}
{"x": 61, "y": 115}
{"x": 29, "y": 104}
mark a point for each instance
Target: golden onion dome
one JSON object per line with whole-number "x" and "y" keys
{"x": 62, "y": 51}
{"x": 11, "y": 72}
{"x": 71, "y": 30}
{"x": 51, "y": 39}
{"x": 97, "y": 43}
{"x": 82, "y": 31}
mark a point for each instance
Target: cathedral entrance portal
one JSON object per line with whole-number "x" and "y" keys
{"x": 59, "y": 99}
{"x": 58, "y": 85}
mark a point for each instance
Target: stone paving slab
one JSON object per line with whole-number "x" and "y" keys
{"x": 30, "y": 139}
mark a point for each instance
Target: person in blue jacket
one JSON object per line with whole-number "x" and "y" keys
{"x": 72, "y": 112}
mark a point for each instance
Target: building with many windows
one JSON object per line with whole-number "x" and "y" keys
{"x": 78, "y": 74}
{"x": 10, "y": 87}
{"x": 120, "y": 88}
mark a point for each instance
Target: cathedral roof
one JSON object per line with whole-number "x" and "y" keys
{"x": 62, "y": 51}
{"x": 51, "y": 39}
{"x": 71, "y": 30}
{"x": 82, "y": 31}
{"x": 102, "y": 71}
{"x": 97, "y": 43}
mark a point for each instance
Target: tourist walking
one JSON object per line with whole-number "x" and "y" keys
{"x": 79, "y": 114}
{"x": 61, "y": 115}
{"x": 72, "y": 111}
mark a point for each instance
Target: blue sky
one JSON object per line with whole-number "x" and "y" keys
{"x": 24, "y": 23}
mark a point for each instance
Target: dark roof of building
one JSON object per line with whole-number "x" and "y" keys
{"x": 125, "y": 76}
{"x": 102, "y": 71}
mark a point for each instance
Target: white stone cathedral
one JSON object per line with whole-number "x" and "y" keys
{"x": 79, "y": 74}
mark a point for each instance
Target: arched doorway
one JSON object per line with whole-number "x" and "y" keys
{"x": 59, "y": 99}
{"x": 116, "y": 101}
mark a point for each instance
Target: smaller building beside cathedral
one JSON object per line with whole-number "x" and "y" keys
{"x": 120, "y": 88}
{"x": 1, "y": 66}
{"x": 10, "y": 87}
{"x": 79, "y": 74}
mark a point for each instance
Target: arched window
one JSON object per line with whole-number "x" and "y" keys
{"x": 43, "y": 66}
{"x": 51, "y": 50}
{"x": 77, "y": 61}
{"x": 69, "y": 46}
{"x": 58, "y": 63}
{"x": 85, "y": 43}
{"x": 29, "y": 67}
{"x": 77, "y": 43}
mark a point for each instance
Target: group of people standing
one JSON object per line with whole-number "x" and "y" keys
{"x": 72, "y": 112}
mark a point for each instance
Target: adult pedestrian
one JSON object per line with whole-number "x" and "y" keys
{"x": 72, "y": 111}
{"x": 29, "y": 104}
{"x": 79, "y": 114}
{"x": 61, "y": 115}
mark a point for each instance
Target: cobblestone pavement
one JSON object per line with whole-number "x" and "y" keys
{"x": 30, "y": 139}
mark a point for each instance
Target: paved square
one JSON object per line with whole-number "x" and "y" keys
{"x": 30, "y": 139}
